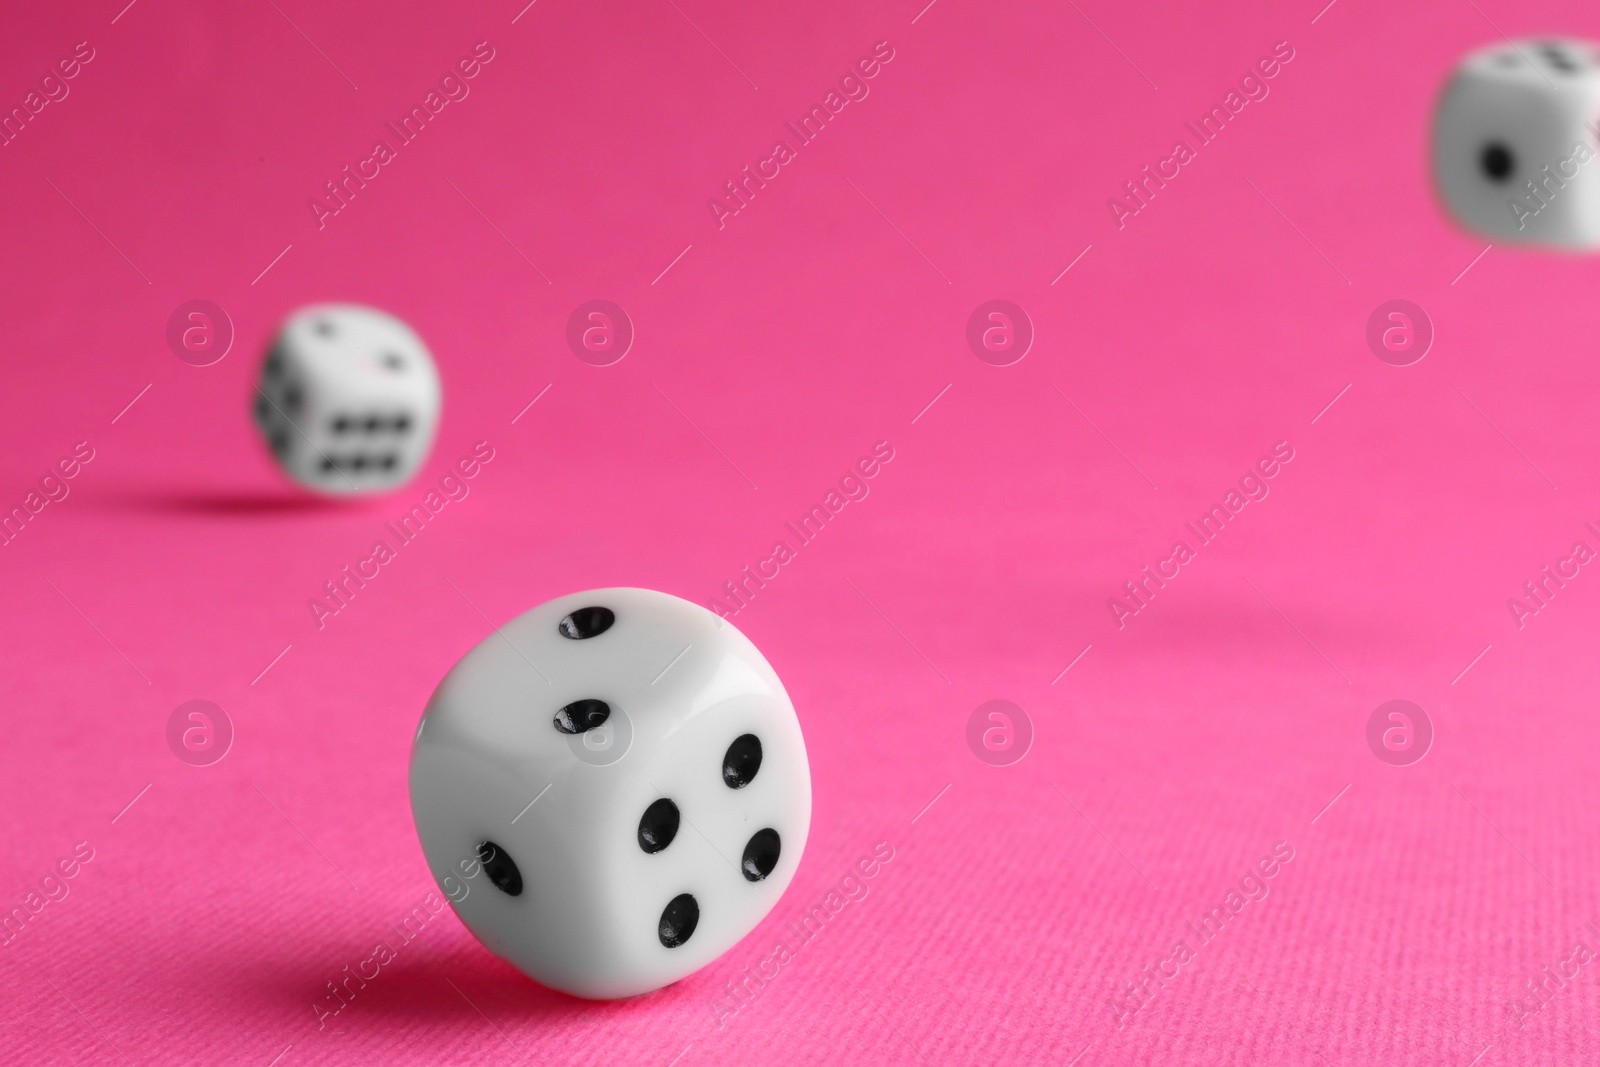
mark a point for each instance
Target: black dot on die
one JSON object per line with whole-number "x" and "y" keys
{"x": 678, "y": 920}
{"x": 391, "y": 361}
{"x": 582, "y": 715}
{"x": 586, "y": 622}
{"x": 658, "y": 825}
{"x": 761, "y": 854}
{"x": 742, "y": 761}
{"x": 1497, "y": 161}
{"x": 324, "y": 328}
{"x": 501, "y": 868}
{"x": 1558, "y": 59}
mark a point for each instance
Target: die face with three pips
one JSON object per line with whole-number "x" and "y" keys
{"x": 1515, "y": 143}
{"x": 612, "y": 790}
{"x": 348, "y": 400}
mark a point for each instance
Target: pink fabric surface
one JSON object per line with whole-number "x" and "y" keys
{"x": 772, "y": 351}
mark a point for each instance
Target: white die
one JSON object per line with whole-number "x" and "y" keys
{"x": 612, "y": 790}
{"x": 348, "y": 399}
{"x": 1514, "y": 143}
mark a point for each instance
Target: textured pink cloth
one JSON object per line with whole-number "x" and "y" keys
{"x": 774, "y": 347}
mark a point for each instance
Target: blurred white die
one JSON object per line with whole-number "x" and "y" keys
{"x": 1514, "y": 143}
{"x": 348, "y": 399}
{"x": 611, "y": 790}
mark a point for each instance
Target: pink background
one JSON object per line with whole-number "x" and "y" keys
{"x": 1172, "y": 755}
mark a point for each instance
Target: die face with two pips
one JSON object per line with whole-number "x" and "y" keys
{"x": 612, "y": 790}
{"x": 1514, "y": 143}
{"x": 348, "y": 399}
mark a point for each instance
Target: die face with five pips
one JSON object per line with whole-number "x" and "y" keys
{"x": 348, "y": 400}
{"x": 612, "y": 789}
